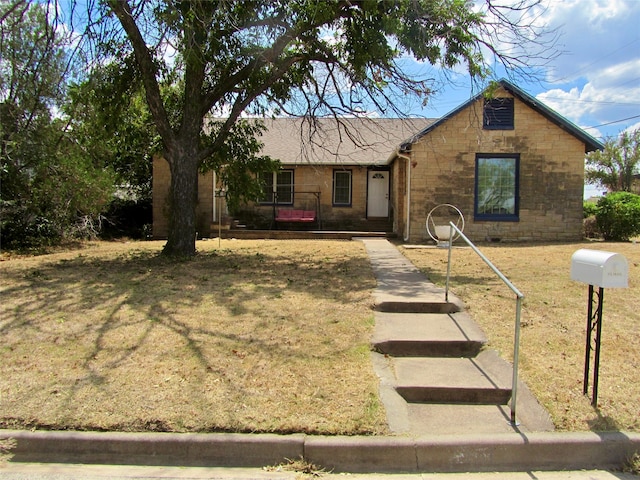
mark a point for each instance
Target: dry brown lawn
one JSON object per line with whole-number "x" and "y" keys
{"x": 273, "y": 336}
{"x": 255, "y": 336}
{"x": 554, "y": 325}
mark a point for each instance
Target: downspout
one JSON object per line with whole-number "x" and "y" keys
{"x": 407, "y": 227}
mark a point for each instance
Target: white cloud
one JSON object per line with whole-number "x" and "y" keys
{"x": 632, "y": 128}
{"x": 596, "y": 79}
{"x": 594, "y": 34}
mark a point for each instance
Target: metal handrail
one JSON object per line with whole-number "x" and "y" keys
{"x": 519, "y": 299}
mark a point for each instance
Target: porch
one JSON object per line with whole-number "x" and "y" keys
{"x": 298, "y": 234}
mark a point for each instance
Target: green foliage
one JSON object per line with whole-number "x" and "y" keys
{"x": 618, "y": 216}
{"x": 294, "y": 57}
{"x": 50, "y": 188}
{"x": 590, "y": 209}
{"x": 127, "y": 218}
{"x": 614, "y": 167}
{"x": 112, "y": 124}
{"x": 240, "y": 176}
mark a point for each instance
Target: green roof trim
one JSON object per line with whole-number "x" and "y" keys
{"x": 590, "y": 142}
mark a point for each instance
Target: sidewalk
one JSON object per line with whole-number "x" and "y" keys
{"x": 101, "y": 472}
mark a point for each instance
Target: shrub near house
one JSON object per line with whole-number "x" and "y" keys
{"x": 618, "y": 216}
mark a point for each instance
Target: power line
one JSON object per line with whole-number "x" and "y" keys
{"x": 615, "y": 121}
{"x": 587, "y": 67}
{"x": 568, "y": 100}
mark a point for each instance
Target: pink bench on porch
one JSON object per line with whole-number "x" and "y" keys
{"x": 297, "y": 216}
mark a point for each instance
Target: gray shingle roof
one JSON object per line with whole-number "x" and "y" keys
{"x": 345, "y": 141}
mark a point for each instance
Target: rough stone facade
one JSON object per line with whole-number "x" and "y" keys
{"x": 436, "y": 165}
{"x": 307, "y": 179}
{"x": 551, "y": 176}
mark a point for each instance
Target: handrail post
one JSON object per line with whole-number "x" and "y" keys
{"x": 516, "y": 358}
{"x": 519, "y": 299}
{"x": 446, "y": 288}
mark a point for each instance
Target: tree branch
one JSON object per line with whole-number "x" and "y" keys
{"x": 147, "y": 70}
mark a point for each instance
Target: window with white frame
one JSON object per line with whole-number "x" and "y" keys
{"x": 277, "y": 187}
{"x": 342, "y": 187}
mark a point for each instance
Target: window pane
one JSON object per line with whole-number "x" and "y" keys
{"x": 342, "y": 188}
{"x": 496, "y": 181}
{"x": 284, "y": 186}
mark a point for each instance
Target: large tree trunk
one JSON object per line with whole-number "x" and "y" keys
{"x": 183, "y": 198}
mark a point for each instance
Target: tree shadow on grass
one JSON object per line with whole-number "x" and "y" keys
{"x": 99, "y": 316}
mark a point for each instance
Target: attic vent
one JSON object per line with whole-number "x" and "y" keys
{"x": 498, "y": 114}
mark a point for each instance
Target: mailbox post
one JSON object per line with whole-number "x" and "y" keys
{"x": 603, "y": 270}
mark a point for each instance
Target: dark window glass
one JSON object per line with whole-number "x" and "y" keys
{"x": 342, "y": 187}
{"x": 277, "y": 187}
{"x": 498, "y": 114}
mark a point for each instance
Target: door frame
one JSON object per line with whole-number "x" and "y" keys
{"x": 387, "y": 193}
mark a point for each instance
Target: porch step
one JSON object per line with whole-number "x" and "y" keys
{"x": 450, "y": 381}
{"x": 427, "y": 335}
{"x": 379, "y": 225}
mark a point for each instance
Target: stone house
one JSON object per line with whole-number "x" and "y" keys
{"x": 635, "y": 184}
{"x": 511, "y": 165}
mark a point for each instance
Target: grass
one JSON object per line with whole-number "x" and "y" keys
{"x": 254, "y": 336}
{"x": 554, "y": 326}
{"x": 273, "y": 336}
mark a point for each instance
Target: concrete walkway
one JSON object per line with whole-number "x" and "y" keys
{"x": 441, "y": 425}
{"x": 436, "y": 375}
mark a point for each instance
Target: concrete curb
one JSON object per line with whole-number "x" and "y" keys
{"x": 445, "y": 453}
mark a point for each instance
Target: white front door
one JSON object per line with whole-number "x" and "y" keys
{"x": 378, "y": 193}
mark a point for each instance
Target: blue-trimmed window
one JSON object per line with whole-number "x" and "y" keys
{"x": 277, "y": 187}
{"x": 342, "y": 188}
{"x": 498, "y": 114}
{"x": 497, "y": 187}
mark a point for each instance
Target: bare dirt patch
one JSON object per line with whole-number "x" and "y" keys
{"x": 554, "y": 320}
{"x": 261, "y": 336}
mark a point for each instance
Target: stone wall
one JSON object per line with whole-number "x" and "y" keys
{"x": 160, "y": 186}
{"x": 316, "y": 178}
{"x": 551, "y": 179}
{"x": 307, "y": 178}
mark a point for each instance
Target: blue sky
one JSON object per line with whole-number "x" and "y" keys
{"x": 595, "y": 80}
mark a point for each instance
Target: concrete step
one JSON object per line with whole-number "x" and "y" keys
{"x": 409, "y": 348}
{"x": 449, "y": 380}
{"x": 427, "y": 335}
{"x": 395, "y": 306}
{"x": 455, "y": 395}
{"x": 459, "y": 419}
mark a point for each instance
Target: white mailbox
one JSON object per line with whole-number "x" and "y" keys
{"x": 601, "y": 269}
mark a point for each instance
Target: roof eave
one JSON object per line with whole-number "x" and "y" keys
{"x": 590, "y": 143}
